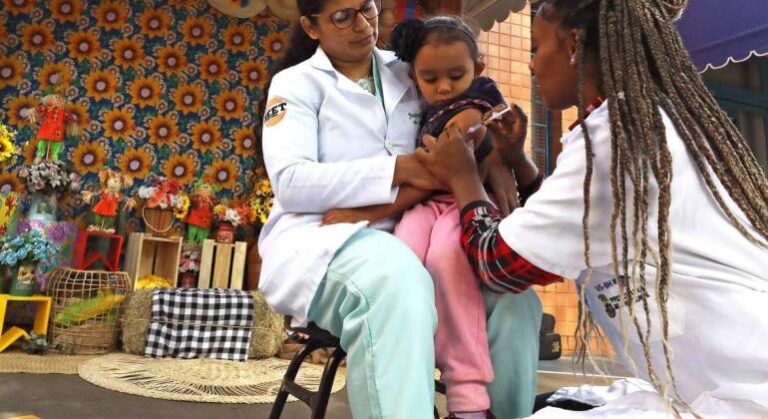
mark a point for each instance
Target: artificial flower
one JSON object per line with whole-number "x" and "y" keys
{"x": 11, "y": 71}
{"x": 223, "y": 173}
{"x": 163, "y": 130}
{"x": 155, "y": 22}
{"x": 83, "y": 45}
{"x": 66, "y": 10}
{"x": 212, "y": 67}
{"x": 274, "y": 44}
{"x": 238, "y": 38}
{"x": 36, "y": 37}
{"x": 7, "y": 148}
{"x": 230, "y": 104}
{"x": 171, "y": 59}
{"x": 118, "y": 124}
{"x": 188, "y": 98}
{"x": 135, "y": 162}
{"x": 111, "y": 14}
{"x": 254, "y": 74}
{"x": 205, "y": 136}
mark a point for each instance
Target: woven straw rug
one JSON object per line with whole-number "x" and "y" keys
{"x": 199, "y": 380}
{"x": 51, "y": 363}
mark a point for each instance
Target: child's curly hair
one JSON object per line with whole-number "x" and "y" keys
{"x": 411, "y": 35}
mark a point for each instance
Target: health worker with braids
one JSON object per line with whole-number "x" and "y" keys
{"x": 446, "y": 65}
{"x": 340, "y": 124}
{"x": 656, "y": 208}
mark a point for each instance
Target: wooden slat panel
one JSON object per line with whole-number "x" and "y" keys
{"x": 238, "y": 265}
{"x": 146, "y": 258}
{"x": 132, "y": 256}
{"x": 223, "y": 263}
{"x": 206, "y": 265}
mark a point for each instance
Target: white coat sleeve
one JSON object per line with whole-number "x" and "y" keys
{"x": 548, "y": 231}
{"x": 301, "y": 183}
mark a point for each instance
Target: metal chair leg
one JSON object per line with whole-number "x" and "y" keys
{"x": 290, "y": 376}
{"x": 323, "y": 394}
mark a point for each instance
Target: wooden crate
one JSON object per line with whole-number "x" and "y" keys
{"x": 222, "y": 265}
{"x": 152, "y": 255}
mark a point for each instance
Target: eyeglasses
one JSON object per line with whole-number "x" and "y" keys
{"x": 344, "y": 18}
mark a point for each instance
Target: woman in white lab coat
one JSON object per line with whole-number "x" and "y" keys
{"x": 339, "y": 131}
{"x": 657, "y": 208}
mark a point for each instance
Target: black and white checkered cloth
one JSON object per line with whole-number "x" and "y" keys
{"x": 195, "y": 323}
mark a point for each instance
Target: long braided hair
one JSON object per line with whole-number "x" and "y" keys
{"x": 643, "y": 67}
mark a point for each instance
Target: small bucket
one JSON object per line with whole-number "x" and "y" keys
{"x": 158, "y": 221}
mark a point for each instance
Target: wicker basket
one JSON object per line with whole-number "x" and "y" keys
{"x": 159, "y": 222}
{"x": 86, "y": 308}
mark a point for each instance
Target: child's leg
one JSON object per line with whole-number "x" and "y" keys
{"x": 461, "y": 340}
{"x": 415, "y": 227}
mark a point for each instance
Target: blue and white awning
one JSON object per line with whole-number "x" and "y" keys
{"x": 485, "y": 13}
{"x": 718, "y": 32}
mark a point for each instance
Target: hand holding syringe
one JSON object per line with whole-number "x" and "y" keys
{"x": 493, "y": 116}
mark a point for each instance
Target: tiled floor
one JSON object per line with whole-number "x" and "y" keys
{"x": 56, "y": 396}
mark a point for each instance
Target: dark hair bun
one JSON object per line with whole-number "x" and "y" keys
{"x": 406, "y": 39}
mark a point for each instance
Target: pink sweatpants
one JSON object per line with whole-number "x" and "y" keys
{"x": 432, "y": 230}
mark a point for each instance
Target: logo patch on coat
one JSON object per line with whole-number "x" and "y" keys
{"x": 276, "y": 109}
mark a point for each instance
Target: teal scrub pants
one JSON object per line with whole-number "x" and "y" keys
{"x": 379, "y": 299}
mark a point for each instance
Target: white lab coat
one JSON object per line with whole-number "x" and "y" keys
{"x": 333, "y": 147}
{"x": 718, "y": 291}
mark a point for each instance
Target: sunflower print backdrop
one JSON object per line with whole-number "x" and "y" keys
{"x": 158, "y": 87}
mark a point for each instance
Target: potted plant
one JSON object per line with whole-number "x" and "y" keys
{"x": 261, "y": 204}
{"x": 22, "y": 253}
{"x": 189, "y": 266}
{"x": 228, "y": 219}
{"x": 261, "y": 201}
{"x": 44, "y": 180}
{"x": 36, "y": 344}
{"x": 7, "y": 148}
{"x": 163, "y": 200}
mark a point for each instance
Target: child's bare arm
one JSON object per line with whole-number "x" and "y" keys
{"x": 466, "y": 119}
{"x": 407, "y": 197}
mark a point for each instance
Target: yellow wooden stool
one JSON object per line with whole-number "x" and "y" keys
{"x": 40, "y": 327}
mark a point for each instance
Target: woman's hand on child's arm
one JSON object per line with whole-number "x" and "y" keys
{"x": 410, "y": 171}
{"x": 407, "y": 197}
{"x": 452, "y": 161}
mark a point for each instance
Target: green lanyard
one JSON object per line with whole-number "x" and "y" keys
{"x": 377, "y": 83}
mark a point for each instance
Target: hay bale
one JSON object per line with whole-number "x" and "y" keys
{"x": 135, "y": 321}
{"x": 266, "y": 336}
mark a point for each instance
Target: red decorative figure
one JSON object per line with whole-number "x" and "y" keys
{"x": 54, "y": 123}
{"x": 200, "y": 218}
{"x": 105, "y": 210}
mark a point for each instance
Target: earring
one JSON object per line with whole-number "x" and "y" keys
{"x": 573, "y": 59}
